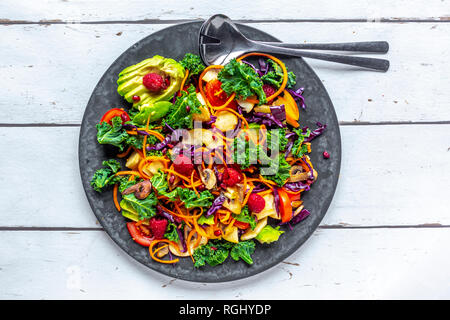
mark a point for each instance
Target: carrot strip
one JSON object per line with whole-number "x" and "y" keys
{"x": 247, "y": 195}
{"x": 116, "y": 202}
{"x": 183, "y": 82}
{"x": 152, "y": 253}
{"x": 124, "y": 154}
{"x": 192, "y": 184}
{"x": 177, "y": 174}
{"x": 263, "y": 193}
{"x": 122, "y": 173}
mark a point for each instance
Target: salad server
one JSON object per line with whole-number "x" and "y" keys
{"x": 221, "y": 41}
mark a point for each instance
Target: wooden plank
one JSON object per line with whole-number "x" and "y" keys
{"x": 53, "y": 69}
{"x": 383, "y": 168}
{"x": 100, "y": 10}
{"x": 332, "y": 264}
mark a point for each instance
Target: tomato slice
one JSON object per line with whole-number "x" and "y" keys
{"x": 241, "y": 225}
{"x": 285, "y": 206}
{"x": 138, "y": 236}
{"x": 116, "y": 112}
{"x": 214, "y": 93}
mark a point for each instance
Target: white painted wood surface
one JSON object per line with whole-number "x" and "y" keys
{"x": 387, "y": 231}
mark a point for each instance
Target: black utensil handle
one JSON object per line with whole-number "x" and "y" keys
{"x": 369, "y": 46}
{"x": 371, "y": 63}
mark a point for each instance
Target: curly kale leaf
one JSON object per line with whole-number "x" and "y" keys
{"x": 212, "y": 253}
{"x": 241, "y": 79}
{"x": 215, "y": 252}
{"x": 180, "y": 113}
{"x": 299, "y": 149}
{"x": 191, "y": 200}
{"x": 193, "y": 63}
{"x": 243, "y": 250}
{"x": 275, "y": 76}
{"x": 187, "y": 196}
{"x": 112, "y": 134}
{"x": 171, "y": 232}
{"x": 246, "y": 217}
{"x": 104, "y": 177}
{"x": 145, "y": 208}
{"x": 282, "y": 173}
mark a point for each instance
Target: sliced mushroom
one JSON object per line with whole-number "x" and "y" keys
{"x": 161, "y": 253}
{"x": 208, "y": 178}
{"x": 297, "y": 174}
{"x": 141, "y": 190}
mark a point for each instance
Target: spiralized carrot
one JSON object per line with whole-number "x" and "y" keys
{"x": 152, "y": 253}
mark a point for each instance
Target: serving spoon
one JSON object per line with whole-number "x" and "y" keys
{"x": 221, "y": 41}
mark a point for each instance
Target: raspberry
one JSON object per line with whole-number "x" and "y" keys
{"x": 256, "y": 203}
{"x": 231, "y": 176}
{"x": 153, "y": 82}
{"x": 158, "y": 227}
{"x": 183, "y": 165}
{"x": 268, "y": 90}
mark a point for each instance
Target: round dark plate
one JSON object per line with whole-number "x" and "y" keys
{"x": 174, "y": 42}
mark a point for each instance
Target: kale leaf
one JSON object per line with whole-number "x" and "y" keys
{"x": 275, "y": 76}
{"x": 145, "y": 208}
{"x": 246, "y": 217}
{"x": 180, "y": 113}
{"x": 171, "y": 232}
{"x": 193, "y": 63}
{"x": 112, "y": 134}
{"x": 241, "y": 79}
{"x": 282, "y": 173}
{"x": 104, "y": 177}
{"x": 212, "y": 253}
{"x": 215, "y": 252}
{"x": 243, "y": 250}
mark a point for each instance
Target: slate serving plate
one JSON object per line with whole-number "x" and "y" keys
{"x": 174, "y": 42}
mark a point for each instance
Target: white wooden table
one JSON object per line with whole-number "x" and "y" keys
{"x": 387, "y": 232}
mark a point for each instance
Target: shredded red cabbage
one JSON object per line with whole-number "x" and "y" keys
{"x": 266, "y": 119}
{"x": 317, "y": 132}
{"x": 297, "y": 186}
{"x": 276, "y": 198}
{"x": 297, "y": 95}
{"x": 216, "y": 205}
{"x": 300, "y": 217}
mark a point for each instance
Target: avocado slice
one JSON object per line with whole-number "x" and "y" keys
{"x": 156, "y": 111}
{"x": 130, "y": 80}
